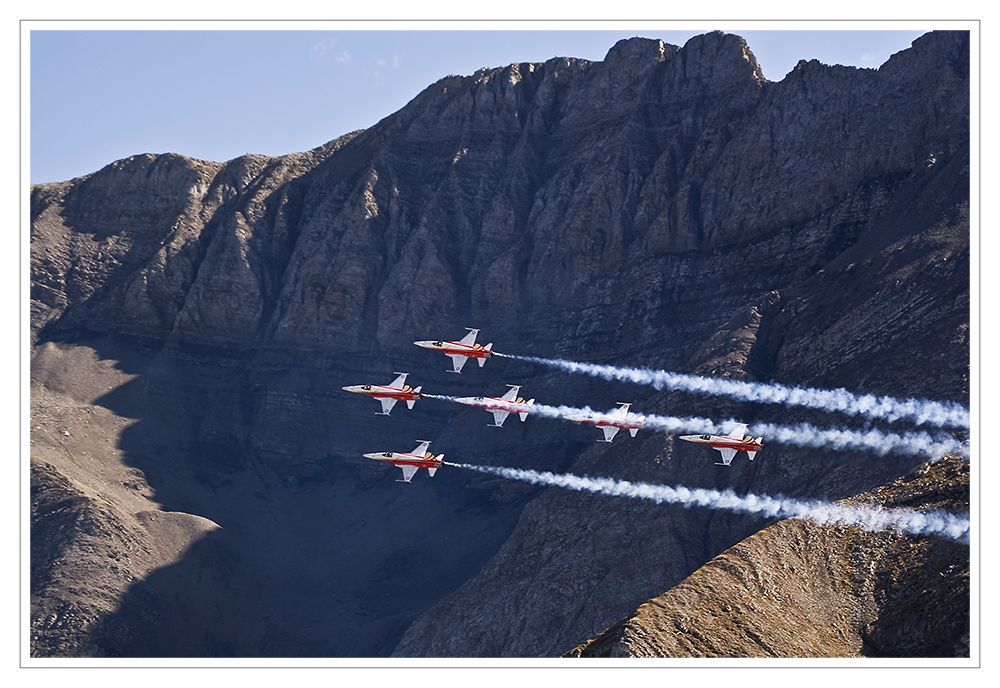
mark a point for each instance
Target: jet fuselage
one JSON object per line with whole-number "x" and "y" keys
{"x": 407, "y": 393}
{"x": 460, "y": 351}
{"x": 457, "y": 349}
{"x": 748, "y": 444}
{"x": 611, "y": 423}
{"x": 428, "y": 460}
{"x": 518, "y": 405}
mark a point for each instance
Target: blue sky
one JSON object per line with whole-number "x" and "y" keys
{"x": 97, "y": 96}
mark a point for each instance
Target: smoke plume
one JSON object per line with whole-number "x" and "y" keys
{"x": 919, "y": 411}
{"x": 870, "y": 518}
{"x": 803, "y": 435}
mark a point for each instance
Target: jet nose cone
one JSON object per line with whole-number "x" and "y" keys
{"x": 349, "y": 388}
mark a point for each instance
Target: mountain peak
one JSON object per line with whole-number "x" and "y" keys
{"x": 639, "y": 49}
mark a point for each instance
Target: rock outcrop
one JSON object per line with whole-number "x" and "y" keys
{"x": 666, "y": 207}
{"x": 799, "y": 589}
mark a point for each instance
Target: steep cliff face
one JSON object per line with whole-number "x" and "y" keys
{"x": 666, "y": 207}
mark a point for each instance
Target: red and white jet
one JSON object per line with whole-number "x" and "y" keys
{"x": 729, "y": 445}
{"x": 461, "y": 350}
{"x": 388, "y": 395}
{"x": 611, "y": 423}
{"x": 501, "y": 407}
{"x": 412, "y": 462}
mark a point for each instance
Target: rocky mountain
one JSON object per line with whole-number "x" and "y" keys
{"x": 197, "y": 481}
{"x": 799, "y": 589}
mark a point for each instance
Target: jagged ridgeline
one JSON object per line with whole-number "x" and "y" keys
{"x": 198, "y": 480}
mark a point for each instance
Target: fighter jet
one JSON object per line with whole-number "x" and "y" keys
{"x": 729, "y": 444}
{"x": 501, "y": 407}
{"x": 612, "y": 422}
{"x": 412, "y": 462}
{"x": 462, "y": 350}
{"x": 389, "y": 394}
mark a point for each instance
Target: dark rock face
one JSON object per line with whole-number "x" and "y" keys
{"x": 665, "y": 207}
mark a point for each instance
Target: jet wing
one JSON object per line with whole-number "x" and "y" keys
{"x": 499, "y": 416}
{"x": 387, "y": 405}
{"x": 398, "y": 382}
{"x": 727, "y": 455}
{"x": 737, "y": 432}
{"x": 469, "y": 339}
{"x": 621, "y": 411}
{"x": 511, "y": 394}
{"x": 609, "y": 432}
{"x": 458, "y": 360}
{"x": 421, "y": 450}
{"x": 408, "y": 472}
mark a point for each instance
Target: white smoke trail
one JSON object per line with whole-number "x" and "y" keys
{"x": 870, "y": 518}
{"x": 802, "y": 435}
{"x": 882, "y": 443}
{"x": 920, "y": 411}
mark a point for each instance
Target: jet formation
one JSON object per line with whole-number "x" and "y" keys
{"x": 460, "y": 352}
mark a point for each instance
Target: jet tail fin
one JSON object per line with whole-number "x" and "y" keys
{"x": 411, "y": 402}
{"x": 524, "y": 414}
{"x": 750, "y": 455}
{"x": 632, "y": 431}
{"x": 488, "y": 347}
{"x": 432, "y": 470}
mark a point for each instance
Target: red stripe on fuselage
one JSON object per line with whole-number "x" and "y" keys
{"x": 475, "y": 351}
{"x": 393, "y": 393}
{"x": 739, "y": 445}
